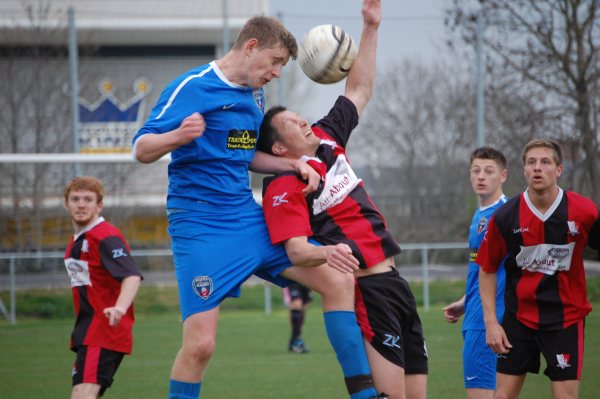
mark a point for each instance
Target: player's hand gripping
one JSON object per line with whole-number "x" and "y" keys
{"x": 496, "y": 338}
{"x": 340, "y": 258}
{"x": 114, "y": 315}
{"x": 308, "y": 174}
{"x": 191, "y": 128}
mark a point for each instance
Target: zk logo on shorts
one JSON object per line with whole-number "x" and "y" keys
{"x": 203, "y": 286}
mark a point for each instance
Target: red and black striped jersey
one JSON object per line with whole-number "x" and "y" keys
{"x": 340, "y": 211}
{"x": 545, "y": 278}
{"x": 97, "y": 260}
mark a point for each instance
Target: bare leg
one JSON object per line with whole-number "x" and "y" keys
{"x": 480, "y": 393}
{"x": 199, "y": 339}
{"x": 509, "y": 386}
{"x": 565, "y": 389}
{"x": 85, "y": 391}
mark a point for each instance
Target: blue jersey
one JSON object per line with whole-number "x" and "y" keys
{"x": 212, "y": 169}
{"x": 473, "y": 312}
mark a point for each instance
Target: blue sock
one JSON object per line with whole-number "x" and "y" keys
{"x": 347, "y": 342}
{"x": 184, "y": 390}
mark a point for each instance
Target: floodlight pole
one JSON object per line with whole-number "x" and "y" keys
{"x": 480, "y": 82}
{"x": 225, "y": 27}
{"x": 73, "y": 70}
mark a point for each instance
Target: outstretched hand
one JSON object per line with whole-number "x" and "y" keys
{"x": 371, "y": 12}
{"x": 454, "y": 311}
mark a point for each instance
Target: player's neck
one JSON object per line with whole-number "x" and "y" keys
{"x": 487, "y": 200}
{"x": 229, "y": 65}
{"x": 543, "y": 199}
{"x": 79, "y": 227}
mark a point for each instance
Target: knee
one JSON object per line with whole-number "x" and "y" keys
{"x": 339, "y": 285}
{"x": 200, "y": 348}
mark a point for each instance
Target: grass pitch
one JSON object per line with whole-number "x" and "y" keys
{"x": 251, "y": 360}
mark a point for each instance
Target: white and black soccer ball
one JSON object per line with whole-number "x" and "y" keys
{"x": 326, "y": 54}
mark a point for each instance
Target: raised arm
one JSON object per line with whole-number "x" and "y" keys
{"x": 361, "y": 78}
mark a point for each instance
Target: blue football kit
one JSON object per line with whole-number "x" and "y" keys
{"x": 214, "y": 222}
{"x": 218, "y": 233}
{"x": 479, "y": 361}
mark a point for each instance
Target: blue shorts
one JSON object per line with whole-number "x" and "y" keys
{"x": 216, "y": 250}
{"x": 479, "y": 361}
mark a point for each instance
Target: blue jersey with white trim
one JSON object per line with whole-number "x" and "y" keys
{"x": 473, "y": 312}
{"x": 212, "y": 169}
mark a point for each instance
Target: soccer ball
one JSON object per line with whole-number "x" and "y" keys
{"x": 326, "y": 54}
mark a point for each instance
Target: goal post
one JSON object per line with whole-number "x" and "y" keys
{"x": 70, "y": 158}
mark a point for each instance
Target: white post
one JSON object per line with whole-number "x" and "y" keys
{"x": 268, "y": 299}
{"x": 13, "y": 296}
{"x": 425, "y": 264}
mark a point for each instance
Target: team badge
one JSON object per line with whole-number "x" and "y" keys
{"x": 573, "y": 227}
{"x": 203, "y": 286}
{"x": 482, "y": 225}
{"x": 259, "y": 99}
{"x": 563, "y": 360}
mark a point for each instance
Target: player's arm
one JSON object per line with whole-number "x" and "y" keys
{"x": 129, "y": 289}
{"x": 361, "y": 78}
{"x": 494, "y": 333}
{"x": 271, "y": 164}
{"x": 455, "y": 310}
{"x": 304, "y": 254}
{"x": 151, "y": 147}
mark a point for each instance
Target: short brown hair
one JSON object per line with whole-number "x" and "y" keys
{"x": 85, "y": 183}
{"x": 489, "y": 153}
{"x": 553, "y": 145}
{"x": 269, "y": 32}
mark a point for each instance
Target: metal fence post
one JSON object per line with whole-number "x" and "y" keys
{"x": 425, "y": 264}
{"x": 268, "y": 305}
{"x": 13, "y": 289}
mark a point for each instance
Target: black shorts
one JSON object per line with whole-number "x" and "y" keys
{"x": 298, "y": 291}
{"x": 387, "y": 314}
{"x": 562, "y": 349}
{"x": 95, "y": 365}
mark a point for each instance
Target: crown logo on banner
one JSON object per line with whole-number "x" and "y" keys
{"x": 108, "y": 125}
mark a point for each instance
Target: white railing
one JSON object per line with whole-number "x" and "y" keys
{"x": 10, "y": 313}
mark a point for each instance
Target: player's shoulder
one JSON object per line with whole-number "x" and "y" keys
{"x": 104, "y": 230}
{"x": 288, "y": 179}
{"x": 504, "y": 210}
{"x": 574, "y": 196}
{"x": 581, "y": 205}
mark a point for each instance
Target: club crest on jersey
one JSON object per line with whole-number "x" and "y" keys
{"x": 482, "y": 225}
{"x": 573, "y": 227}
{"x": 203, "y": 286}
{"x": 85, "y": 246}
{"x": 563, "y": 360}
{"x": 259, "y": 99}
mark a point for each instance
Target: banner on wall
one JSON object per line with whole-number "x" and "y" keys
{"x": 108, "y": 125}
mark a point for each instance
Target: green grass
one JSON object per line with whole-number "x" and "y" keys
{"x": 251, "y": 360}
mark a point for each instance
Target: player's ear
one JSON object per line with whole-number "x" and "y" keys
{"x": 251, "y": 45}
{"x": 279, "y": 149}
